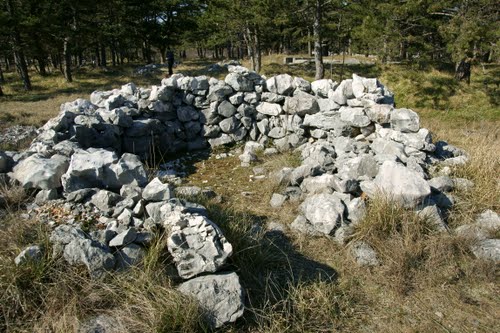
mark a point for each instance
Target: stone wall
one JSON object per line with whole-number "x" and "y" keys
{"x": 354, "y": 145}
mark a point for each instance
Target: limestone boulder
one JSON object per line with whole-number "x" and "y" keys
{"x": 280, "y": 84}
{"x": 221, "y": 296}
{"x": 197, "y": 246}
{"x": 40, "y": 172}
{"x": 94, "y": 255}
{"x": 323, "y": 213}
{"x": 401, "y": 184}
{"x": 405, "y": 120}
{"x": 88, "y": 168}
{"x": 301, "y": 104}
{"x": 156, "y": 190}
{"x": 238, "y": 82}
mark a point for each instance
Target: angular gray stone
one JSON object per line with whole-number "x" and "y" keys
{"x": 322, "y": 87}
{"x": 364, "y": 254}
{"x": 361, "y": 166}
{"x": 224, "y": 139}
{"x": 92, "y": 254}
{"x": 319, "y": 184}
{"x": 277, "y": 200}
{"x": 105, "y": 200}
{"x": 128, "y": 256}
{"x": 401, "y": 184}
{"x": 219, "y": 91}
{"x": 30, "y": 254}
{"x": 220, "y": 296}
{"x": 102, "y": 324}
{"x": 44, "y": 196}
{"x": 301, "y": 84}
{"x": 128, "y": 170}
{"x": 272, "y": 97}
{"x": 226, "y": 109}
{"x": 88, "y": 169}
{"x": 354, "y": 116}
{"x": 342, "y": 93}
{"x": 356, "y": 210}
{"x": 187, "y": 113}
{"x": 441, "y": 184}
{"x": 197, "y": 245}
{"x": 277, "y": 133}
{"x": 238, "y": 82}
{"x": 270, "y": 109}
{"x": 405, "y": 120}
{"x": 327, "y": 121}
{"x": 131, "y": 191}
{"x": 324, "y": 213}
{"x": 487, "y": 249}
{"x": 157, "y": 191}
{"x": 280, "y": 84}
{"x": 301, "y": 104}
{"x": 229, "y": 125}
{"x": 432, "y": 214}
{"x": 124, "y": 238}
{"x": 39, "y": 172}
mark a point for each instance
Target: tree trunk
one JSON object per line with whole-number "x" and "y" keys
{"x": 258, "y": 51}
{"x": 309, "y": 43}
{"x": 97, "y": 56}
{"x": 103, "y": 56}
{"x": 318, "y": 54}
{"x": 67, "y": 60}
{"x": 42, "y": 65}
{"x": 113, "y": 55}
{"x": 1, "y": 91}
{"x": 2, "y": 78}
{"x": 462, "y": 70}
{"x": 19, "y": 59}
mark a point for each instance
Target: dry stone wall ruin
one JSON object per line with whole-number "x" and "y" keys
{"x": 354, "y": 143}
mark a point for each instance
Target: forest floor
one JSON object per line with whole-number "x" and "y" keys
{"x": 427, "y": 282}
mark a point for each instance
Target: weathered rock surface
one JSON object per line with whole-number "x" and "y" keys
{"x": 323, "y": 214}
{"x": 221, "y": 297}
{"x": 30, "y": 254}
{"x": 399, "y": 183}
{"x": 39, "y": 172}
{"x": 197, "y": 245}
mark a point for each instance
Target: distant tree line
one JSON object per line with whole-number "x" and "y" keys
{"x": 63, "y": 34}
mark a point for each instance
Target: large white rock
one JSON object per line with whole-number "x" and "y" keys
{"x": 238, "y": 82}
{"x": 322, "y": 87}
{"x": 88, "y": 168}
{"x": 405, "y": 120}
{"x": 129, "y": 170}
{"x": 270, "y": 109}
{"x": 197, "y": 245}
{"x": 281, "y": 84}
{"x": 301, "y": 103}
{"x": 401, "y": 184}
{"x": 39, "y": 172}
{"x": 324, "y": 213}
{"x": 342, "y": 93}
{"x": 157, "y": 191}
{"x": 220, "y": 296}
{"x": 354, "y": 116}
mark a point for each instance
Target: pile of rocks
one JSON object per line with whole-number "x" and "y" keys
{"x": 353, "y": 142}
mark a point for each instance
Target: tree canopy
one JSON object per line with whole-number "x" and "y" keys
{"x": 62, "y": 34}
